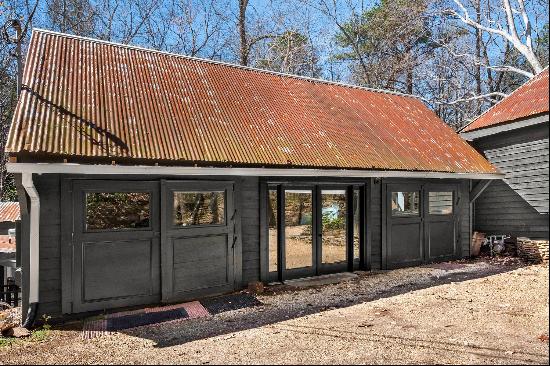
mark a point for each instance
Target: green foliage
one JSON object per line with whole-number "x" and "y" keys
{"x": 9, "y": 191}
{"x": 43, "y": 332}
{"x": 385, "y": 43}
{"x": 331, "y": 222}
{"x": 5, "y": 342}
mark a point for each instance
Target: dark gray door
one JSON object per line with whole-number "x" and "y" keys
{"x": 421, "y": 224}
{"x": 197, "y": 239}
{"x": 404, "y": 235}
{"x": 115, "y": 244}
{"x": 440, "y": 224}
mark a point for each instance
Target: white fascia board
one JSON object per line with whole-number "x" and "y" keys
{"x": 469, "y": 136}
{"x": 89, "y": 169}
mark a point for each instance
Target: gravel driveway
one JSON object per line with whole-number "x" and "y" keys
{"x": 463, "y": 312}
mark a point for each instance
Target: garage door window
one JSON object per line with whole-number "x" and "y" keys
{"x": 117, "y": 210}
{"x": 440, "y": 203}
{"x": 199, "y": 208}
{"x": 405, "y": 203}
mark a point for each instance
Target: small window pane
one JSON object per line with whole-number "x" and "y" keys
{"x": 199, "y": 208}
{"x": 404, "y": 203}
{"x": 117, "y": 210}
{"x": 272, "y": 225}
{"x": 440, "y": 203}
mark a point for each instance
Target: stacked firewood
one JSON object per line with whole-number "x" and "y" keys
{"x": 533, "y": 250}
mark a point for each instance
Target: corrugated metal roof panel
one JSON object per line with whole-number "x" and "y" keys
{"x": 9, "y": 211}
{"x": 528, "y": 100}
{"x": 88, "y": 98}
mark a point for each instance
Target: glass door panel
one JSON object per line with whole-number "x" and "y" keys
{"x": 298, "y": 228}
{"x": 333, "y": 231}
{"x": 272, "y": 205}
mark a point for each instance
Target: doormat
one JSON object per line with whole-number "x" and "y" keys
{"x": 155, "y": 315}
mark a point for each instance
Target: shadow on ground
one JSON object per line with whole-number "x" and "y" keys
{"x": 178, "y": 333}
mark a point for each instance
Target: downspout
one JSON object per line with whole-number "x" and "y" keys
{"x": 34, "y": 225}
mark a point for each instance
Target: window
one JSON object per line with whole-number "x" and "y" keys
{"x": 199, "y": 208}
{"x": 117, "y": 210}
{"x": 440, "y": 203}
{"x": 404, "y": 203}
{"x": 272, "y": 228}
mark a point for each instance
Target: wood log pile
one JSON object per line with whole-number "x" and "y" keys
{"x": 535, "y": 251}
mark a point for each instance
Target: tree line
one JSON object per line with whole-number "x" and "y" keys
{"x": 459, "y": 56}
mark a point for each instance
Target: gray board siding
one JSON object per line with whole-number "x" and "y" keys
{"x": 517, "y": 205}
{"x": 55, "y": 215}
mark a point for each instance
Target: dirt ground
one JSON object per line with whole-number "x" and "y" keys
{"x": 476, "y": 312}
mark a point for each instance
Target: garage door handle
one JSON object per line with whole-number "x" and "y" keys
{"x": 234, "y": 241}
{"x": 234, "y": 213}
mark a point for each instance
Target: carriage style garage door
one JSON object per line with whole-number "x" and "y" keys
{"x": 421, "y": 224}
{"x": 138, "y": 243}
{"x": 197, "y": 239}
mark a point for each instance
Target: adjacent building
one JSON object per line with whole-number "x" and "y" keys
{"x": 513, "y": 136}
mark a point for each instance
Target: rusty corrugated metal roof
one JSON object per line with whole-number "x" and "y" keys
{"x": 9, "y": 211}
{"x": 528, "y": 100}
{"x": 88, "y": 98}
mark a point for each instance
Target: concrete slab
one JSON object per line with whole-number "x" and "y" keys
{"x": 321, "y": 280}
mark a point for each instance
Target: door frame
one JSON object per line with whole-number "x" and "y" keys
{"x": 365, "y": 232}
{"x": 390, "y": 220}
{"x": 426, "y": 187}
{"x": 167, "y": 273}
{"x": 72, "y": 206}
{"x": 429, "y": 218}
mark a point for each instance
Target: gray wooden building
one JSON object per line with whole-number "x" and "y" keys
{"x": 148, "y": 177}
{"x": 513, "y": 136}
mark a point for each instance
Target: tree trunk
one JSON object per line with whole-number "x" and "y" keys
{"x": 243, "y": 4}
{"x": 477, "y": 5}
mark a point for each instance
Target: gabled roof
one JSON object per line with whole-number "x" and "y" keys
{"x": 9, "y": 211}
{"x": 528, "y": 100}
{"x": 88, "y": 99}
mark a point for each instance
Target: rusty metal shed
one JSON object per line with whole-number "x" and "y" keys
{"x": 151, "y": 177}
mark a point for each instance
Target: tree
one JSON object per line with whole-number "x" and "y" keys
{"x": 514, "y": 28}
{"x": 24, "y": 12}
{"x": 386, "y": 43}
{"x": 72, "y": 16}
{"x": 291, "y": 53}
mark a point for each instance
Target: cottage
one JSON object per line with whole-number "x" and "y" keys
{"x": 513, "y": 136}
{"x": 149, "y": 177}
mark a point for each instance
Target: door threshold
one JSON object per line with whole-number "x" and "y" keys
{"x": 321, "y": 280}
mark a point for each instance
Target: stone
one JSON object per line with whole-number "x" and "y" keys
{"x": 256, "y": 287}
{"x": 17, "y": 332}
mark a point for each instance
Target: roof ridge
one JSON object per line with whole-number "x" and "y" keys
{"x": 531, "y": 80}
{"x": 223, "y": 63}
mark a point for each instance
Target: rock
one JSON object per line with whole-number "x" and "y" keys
{"x": 17, "y": 332}
{"x": 256, "y": 287}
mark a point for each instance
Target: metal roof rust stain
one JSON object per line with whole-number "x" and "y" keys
{"x": 528, "y": 100}
{"x": 87, "y": 98}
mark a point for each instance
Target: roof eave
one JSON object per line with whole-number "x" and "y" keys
{"x": 100, "y": 169}
{"x": 504, "y": 127}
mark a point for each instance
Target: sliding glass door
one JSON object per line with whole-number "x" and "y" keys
{"x": 312, "y": 229}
